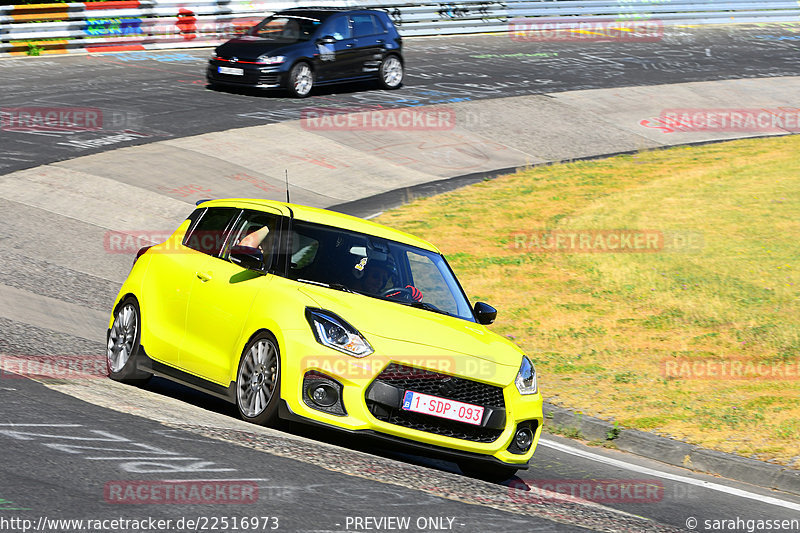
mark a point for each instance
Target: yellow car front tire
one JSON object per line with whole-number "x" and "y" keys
{"x": 258, "y": 384}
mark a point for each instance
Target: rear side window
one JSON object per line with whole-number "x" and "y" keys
{"x": 304, "y": 251}
{"x": 208, "y": 234}
{"x": 365, "y": 24}
{"x": 384, "y": 22}
{"x": 195, "y": 215}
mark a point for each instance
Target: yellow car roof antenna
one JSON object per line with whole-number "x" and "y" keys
{"x": 286, "y": 173}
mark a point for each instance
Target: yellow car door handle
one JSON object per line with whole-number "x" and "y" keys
{"x": 203, "y": 276}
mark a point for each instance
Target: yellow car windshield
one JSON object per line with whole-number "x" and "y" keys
{"x": 376, "y": 267}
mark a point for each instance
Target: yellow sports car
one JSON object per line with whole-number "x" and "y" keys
{"x": 305, "y": 314}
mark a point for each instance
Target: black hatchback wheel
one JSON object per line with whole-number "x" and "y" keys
{"x": 391, "y": 72}
{"x": 301, "y": 80}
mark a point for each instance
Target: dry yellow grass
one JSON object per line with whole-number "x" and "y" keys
{"x": 601, "y": 326}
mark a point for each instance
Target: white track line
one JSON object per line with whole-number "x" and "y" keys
{"x": 673, "y": 477}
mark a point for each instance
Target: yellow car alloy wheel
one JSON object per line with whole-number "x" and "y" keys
{"x": 258, "y": 380}
{"x": 123, "y": 344}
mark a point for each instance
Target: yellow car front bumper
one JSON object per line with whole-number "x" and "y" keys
{"x": 356, "y": 375}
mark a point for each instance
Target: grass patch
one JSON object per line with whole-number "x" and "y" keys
{"x": 722, "y": 285}
{"x": 34, "y": 49}
{"x": 564, "y": 431}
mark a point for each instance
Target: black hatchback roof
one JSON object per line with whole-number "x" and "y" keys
{"x": 323, "y": 11}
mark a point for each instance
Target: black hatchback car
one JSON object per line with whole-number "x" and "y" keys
{"x": 299, "y": 48}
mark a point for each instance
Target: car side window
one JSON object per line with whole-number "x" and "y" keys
{"x": 256, "y": 229}
{"x": 314, "y": 250}
{"x": 208, "y": 234}
{"x": 304, "y": 251}
{"x": 380, "y": 27}
{"x": 339, "y": 28}
{"x": 365, "y": 24}
{"x": 427, "y": 278}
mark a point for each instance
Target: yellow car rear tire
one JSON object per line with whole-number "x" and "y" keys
{"x": 123, "y": 344}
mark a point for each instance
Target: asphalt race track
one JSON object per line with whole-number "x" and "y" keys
{"x": 159, "y": 95}
{"x": 66, "y": 443}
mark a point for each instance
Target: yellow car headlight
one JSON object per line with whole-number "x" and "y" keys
{"x": 332, "y": 331}
{"x": 526, "y": 377}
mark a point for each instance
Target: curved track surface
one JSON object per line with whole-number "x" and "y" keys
{"x": 158, "y": 95}
{"x": 64, "y": 443}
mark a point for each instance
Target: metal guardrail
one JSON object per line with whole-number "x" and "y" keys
{"x": 149, "y": 24}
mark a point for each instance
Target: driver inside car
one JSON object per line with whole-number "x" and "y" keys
{"x": 375, "y": 281}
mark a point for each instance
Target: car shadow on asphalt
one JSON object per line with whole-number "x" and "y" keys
{"x": 342, "y": 439}
{"x": 325, "y": 90}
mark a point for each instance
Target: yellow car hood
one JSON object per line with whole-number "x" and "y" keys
{"x": 394, "y": 321}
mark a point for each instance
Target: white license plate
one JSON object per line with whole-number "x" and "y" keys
{"x": 442, "y": 407}
{"x": 231, "y": 70}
